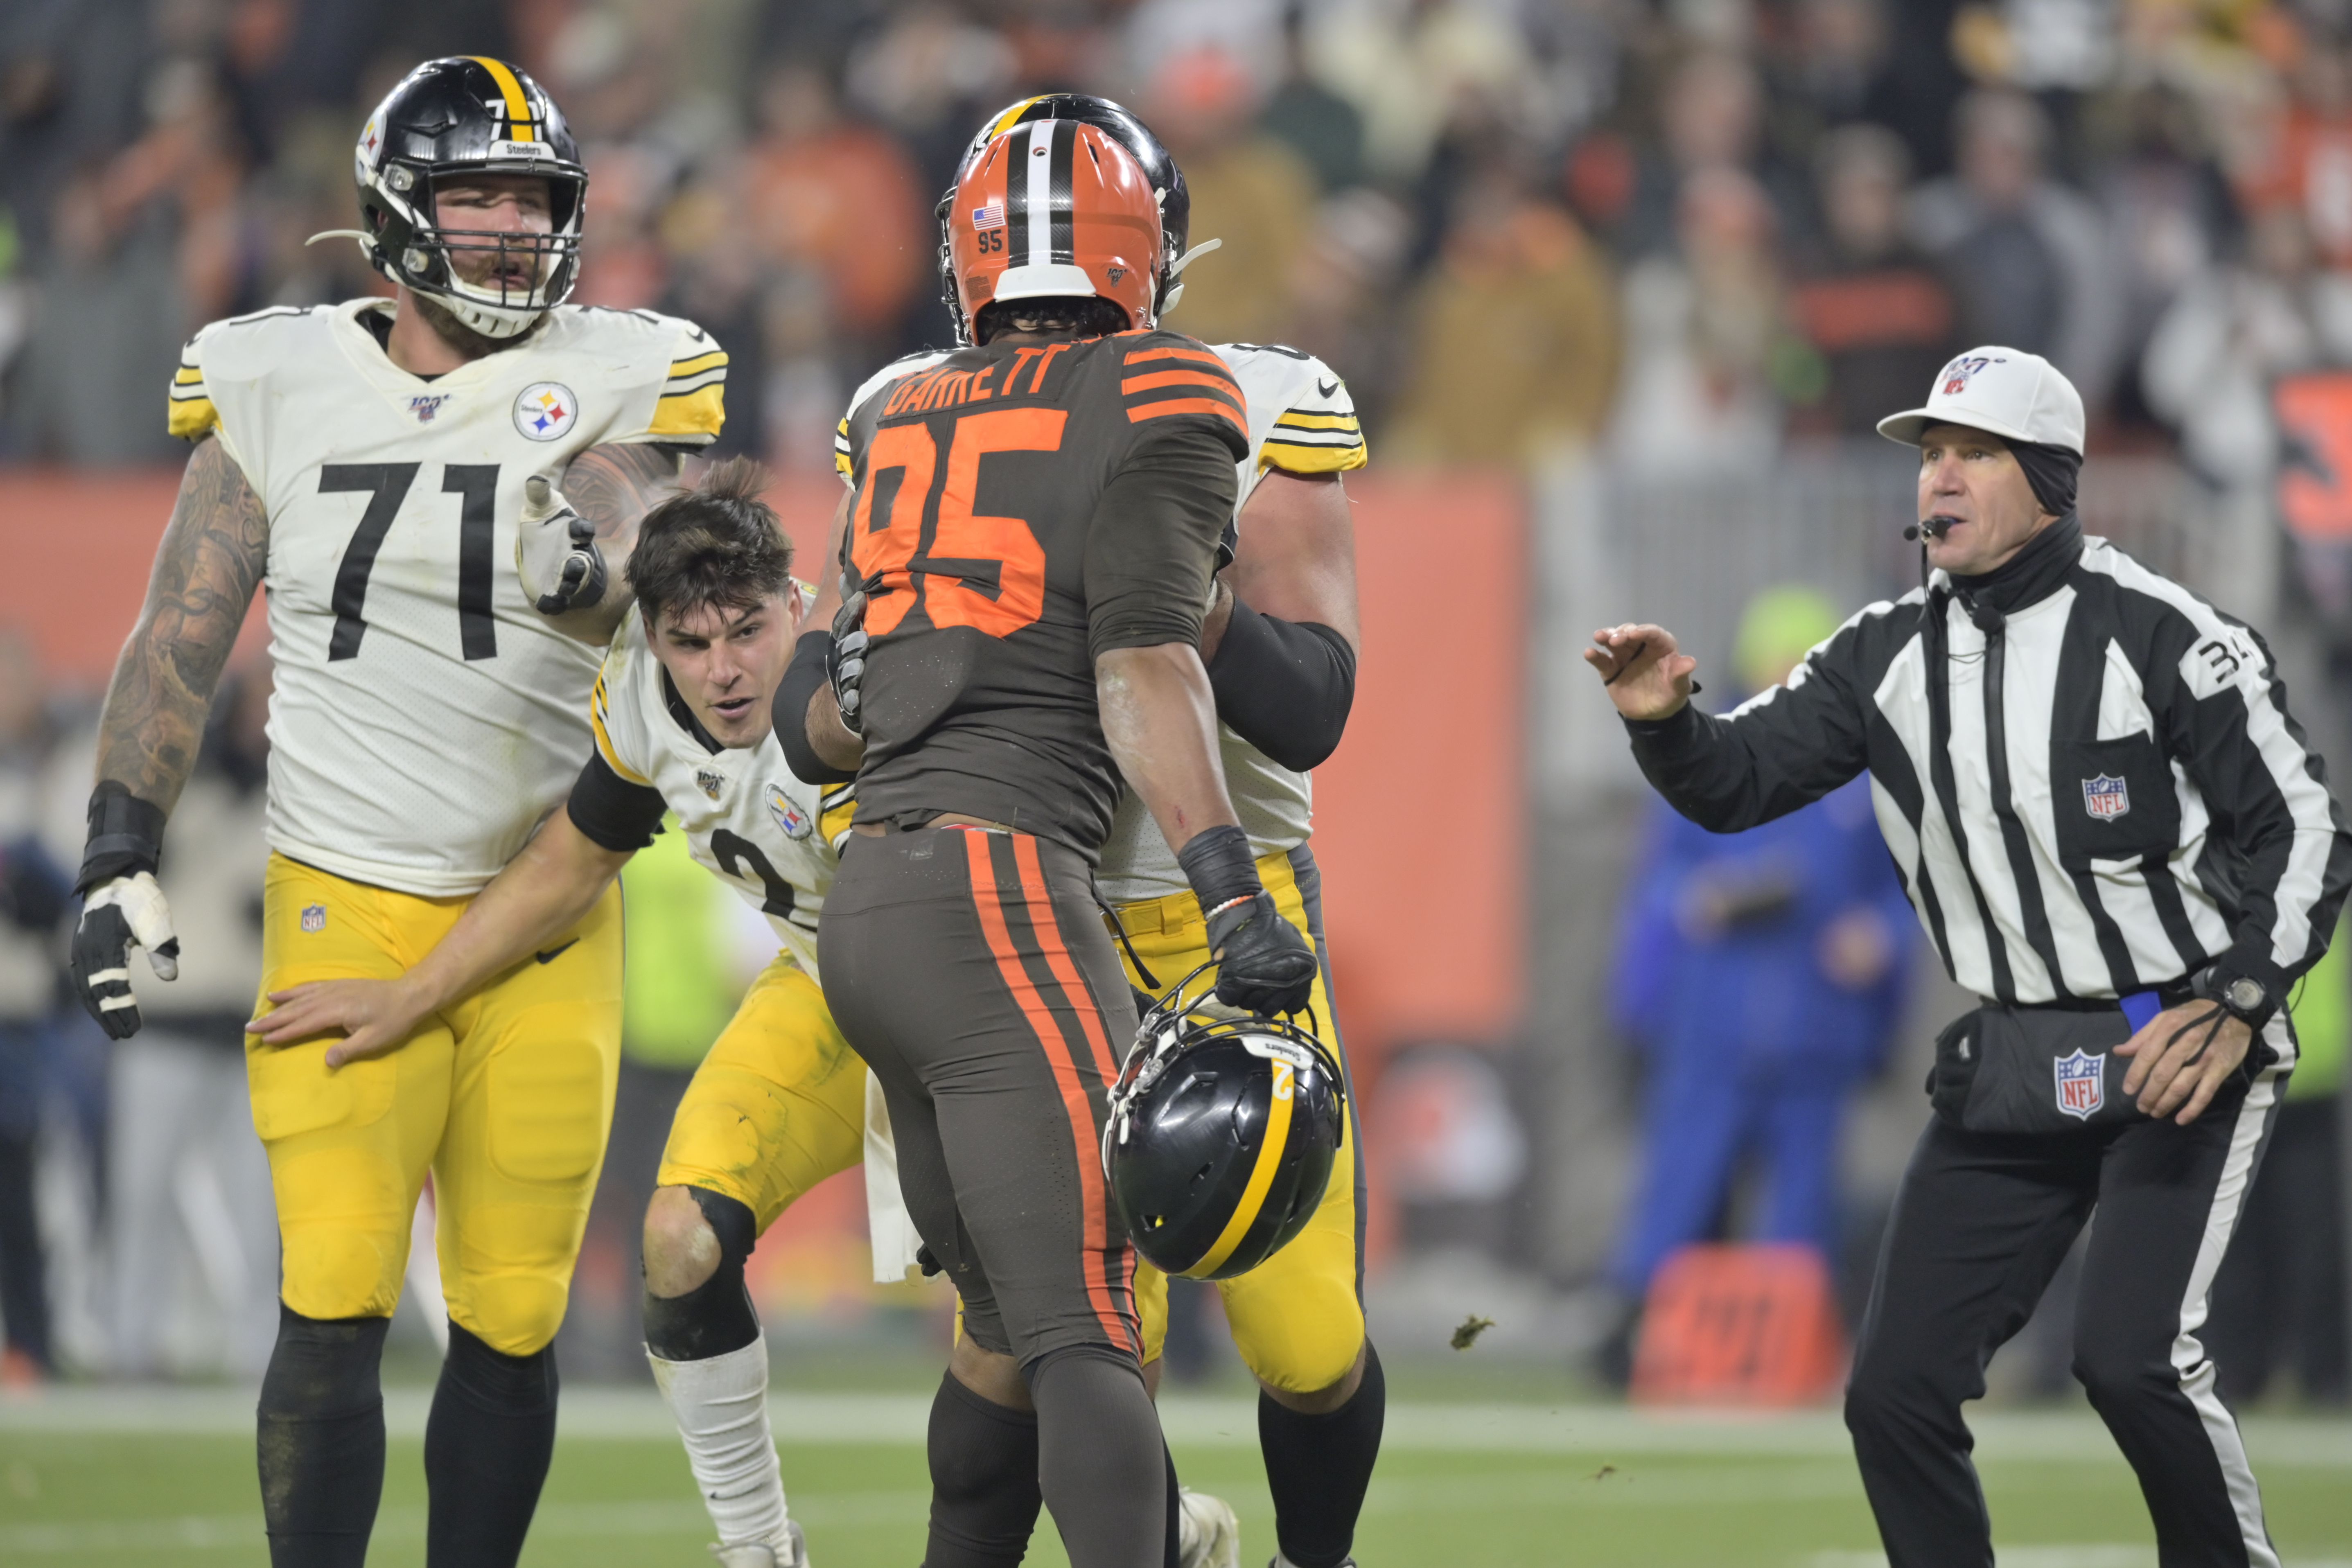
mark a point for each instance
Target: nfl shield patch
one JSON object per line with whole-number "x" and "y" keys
{"x": 314, "y": 918}
{"x": 2082, "y": 1083}
{"x": 2106, "y": 799}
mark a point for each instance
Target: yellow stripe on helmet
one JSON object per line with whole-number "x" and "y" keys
{"x": 1008, "y": 120}
{"x": 520, "y": 119}
{"x": 1269, "y": 1161}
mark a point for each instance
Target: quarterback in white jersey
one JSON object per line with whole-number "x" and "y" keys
{"x": 681, "y": 721}
{"x": 436, "y": 607}
{"x": 1279, "y": 644}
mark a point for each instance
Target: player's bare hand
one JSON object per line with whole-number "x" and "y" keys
{"x": 1647, "y": 675}
{"x": 373, "y": 1015}
{"x": 2182, "y": 1059}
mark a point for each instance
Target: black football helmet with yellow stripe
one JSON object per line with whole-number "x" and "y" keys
{"x": 1122, "y": 127}
{"x": 469, "y": 115}
{"x": 1221, "y": 1135}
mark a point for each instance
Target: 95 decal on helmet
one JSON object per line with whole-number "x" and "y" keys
{"x": 1221, "y": 1135}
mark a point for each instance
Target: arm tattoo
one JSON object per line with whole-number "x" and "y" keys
{"x": 210, "y": 560}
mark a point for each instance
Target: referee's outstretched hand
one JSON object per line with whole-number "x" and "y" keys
{"x": 2182, "y": 1059}
{"x": 1647, "y": 675}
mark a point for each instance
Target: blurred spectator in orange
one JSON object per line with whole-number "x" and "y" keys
{"x": 2031, "y": 262}
{"x": 1869, "y": 301}
{"x": 1249, "y": 190}
{"x": 1513, "y": 338}
{"x": 840, "y": 199}
{"x": 1705, "y": 333}
{"x": 2308, "y": 165}
{"x": 1312, "y": 120}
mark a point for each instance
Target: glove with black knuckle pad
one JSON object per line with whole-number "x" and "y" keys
{"x": 844, "y": 664}
{"x": 122, "y": 908}
{"x": 555, "y": 552}
{"x": 1264, "y": 964}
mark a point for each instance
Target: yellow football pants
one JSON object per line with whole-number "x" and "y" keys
{"x": 506, "y": 1097}
{"x": 1295, "y": 1317}
{"x": 777, "y": 1106}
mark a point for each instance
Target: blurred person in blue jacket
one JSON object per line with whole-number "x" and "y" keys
{"x": 1760, "y": 975}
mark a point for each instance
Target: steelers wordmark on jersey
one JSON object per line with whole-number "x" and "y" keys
{"x": 747, "y": 819}
{"x": 426, "y": 716}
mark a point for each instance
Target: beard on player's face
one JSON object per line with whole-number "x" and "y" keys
{"x": 455, "y": 333}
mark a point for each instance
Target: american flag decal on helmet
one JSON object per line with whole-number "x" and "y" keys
{"x": 990, "y": 216}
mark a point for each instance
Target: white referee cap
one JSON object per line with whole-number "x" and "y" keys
{"x": 2007, "y": 392}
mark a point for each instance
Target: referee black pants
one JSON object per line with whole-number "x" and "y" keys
{"x": 1980, "y": 1224}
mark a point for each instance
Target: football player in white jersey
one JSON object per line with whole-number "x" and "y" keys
{"x": 435, "y": 613}
{"x": 1279, "y": 644}
{"x": 681, "y": 719}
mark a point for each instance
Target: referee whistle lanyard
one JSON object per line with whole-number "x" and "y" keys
{"x": 2030, "y": 576}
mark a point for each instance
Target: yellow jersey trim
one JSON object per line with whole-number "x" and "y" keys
{"x": 1293, "y": 457}
{"x": 1294, "y": 420}
{"x": 716, "y": 359}
{"x": 518, "y": 115}
{"x": 835, "y": 807}
{"x": 191, "y": 417}
{"x": 596, "y": 700}
{"x": 697, "y": 417}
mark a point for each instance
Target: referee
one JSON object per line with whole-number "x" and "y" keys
{"x": 2116, "y": 837}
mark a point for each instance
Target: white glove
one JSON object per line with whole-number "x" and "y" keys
{"x": 555, "y": 551}
{"x": 121, "y": 913}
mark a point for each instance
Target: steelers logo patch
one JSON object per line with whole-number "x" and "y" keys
{"x": 789, "y": 817}
{"x": 546, "y": 411}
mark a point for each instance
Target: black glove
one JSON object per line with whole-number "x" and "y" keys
{"x": 122, "y": 907}
{"x": 1264, "y": 964}
{"x": 844, "y": 665}
{"x": 1262, "y": 961}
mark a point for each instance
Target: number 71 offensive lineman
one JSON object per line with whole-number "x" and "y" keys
{"x": 681, "y": 716}
{"x": 372, "y": 460}
{"x": 1034, "y": 536}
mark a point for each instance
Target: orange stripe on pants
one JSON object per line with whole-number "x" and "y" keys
{"x": 1096, "y": 1220}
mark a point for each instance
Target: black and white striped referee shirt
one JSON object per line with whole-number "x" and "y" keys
{"x": 2086, "y": 775}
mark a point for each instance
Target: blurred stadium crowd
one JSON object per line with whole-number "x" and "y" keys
{"x": 1676, "y": 237}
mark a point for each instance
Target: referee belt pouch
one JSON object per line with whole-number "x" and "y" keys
{"x": 2032, "y": 1069}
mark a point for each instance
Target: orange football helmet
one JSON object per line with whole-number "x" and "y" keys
{"x": 1054, "y": 208}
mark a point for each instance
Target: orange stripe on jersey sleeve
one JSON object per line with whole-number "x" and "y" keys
{"x": 1169, "y": 351}
{"x": 1135, "y": 384}
{"x": 1140, "y": 412}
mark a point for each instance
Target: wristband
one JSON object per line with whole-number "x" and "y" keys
{"x": 1219, "y": 865}
{"x": 126, "y": 836}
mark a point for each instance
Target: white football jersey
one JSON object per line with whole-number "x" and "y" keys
{"x": 1302, "y": 421}
{"x": 747, "y": 818}
{"x": 426, "y": 716}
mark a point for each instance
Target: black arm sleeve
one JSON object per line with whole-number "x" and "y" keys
{"x": 611, "y": 813}
{"x": 1786, "y": 749}
{"x": 1154, "y": 544}
{"x": 804, "y": 679}
{"x": 1284, "y": 686}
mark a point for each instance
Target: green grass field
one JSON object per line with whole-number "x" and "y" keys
{"x": 95, "y": 1476}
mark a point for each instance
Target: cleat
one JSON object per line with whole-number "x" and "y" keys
{"x": 764, "y": 1554}
{"x": 1207, "y": 1533}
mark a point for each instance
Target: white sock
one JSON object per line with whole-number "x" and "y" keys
{"x": 721, "y": 1406}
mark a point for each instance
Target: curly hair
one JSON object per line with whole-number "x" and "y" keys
{"x": 1083, "y": 314}
{"x": 715, "y": 543}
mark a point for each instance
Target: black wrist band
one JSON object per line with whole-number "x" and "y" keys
{"x": 126, "y": 836}
{"x": 1221, "y": 867}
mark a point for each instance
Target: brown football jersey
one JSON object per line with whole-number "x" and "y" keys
{"x": 1020, "y": 509}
